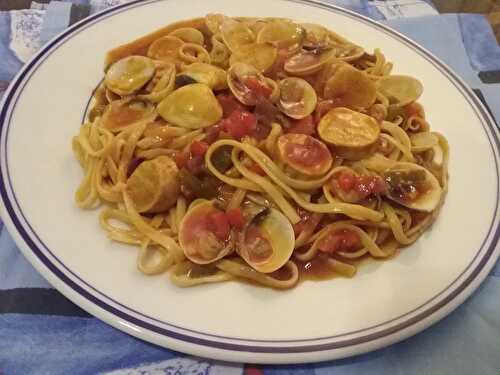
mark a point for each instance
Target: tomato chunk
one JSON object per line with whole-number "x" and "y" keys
{"x": 257, "y": 87}
{"x": 181, "y": 159}
{"x": 212, "y": 133}
{"x": 195, "y": 164}
{"x": 303, "y": 126}
{"x": 229, "y": 104}
{"x": 346, "y": 181}
{"x": 240, "y": 124}
{"x": 362, "y": 186}
{"x": 343, "y": 240}
{"x": 254, "y": 167}
{"x": 198, "y": 148}
{"x": 235, "y": 217}
{"x": 219, "y": 225}
{"x": 308, "y": 154}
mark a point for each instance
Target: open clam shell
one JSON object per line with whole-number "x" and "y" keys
{"x": 237, "y": 76}
{"x": 283, "y": 34}
{"x": 413, "y": 186}
{"x": 399, "y": 89}
{"x": 297, "y": 97}
{"x": 189, "y": 35}
{"x": 267, "y": 244}
{"x": 305, "y": 154}
{"x": 259, "y": 55}
{"x": 212, "y": 76}
{"x": 166, "y": 49}
{"x": 198, "y": 242}
{"x": 129, "y": 74}
{"x": 192, "y": 106}
{"x": 308, "y": 62}
{"x": 120, "y": 114}
{"x": 236, "y": 34}
{"x": 350, "y": 87}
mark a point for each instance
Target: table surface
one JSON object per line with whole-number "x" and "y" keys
{"x": 41, "y": 332}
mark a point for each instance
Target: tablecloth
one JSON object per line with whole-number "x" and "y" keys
{"x": 41, "y": 332}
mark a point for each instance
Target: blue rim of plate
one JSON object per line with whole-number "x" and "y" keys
{"x": 97, "y": 298}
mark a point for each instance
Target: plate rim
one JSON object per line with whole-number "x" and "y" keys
{"x": 110, "y": 314}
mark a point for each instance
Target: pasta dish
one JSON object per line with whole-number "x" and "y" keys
{"x": 258, "y": 149}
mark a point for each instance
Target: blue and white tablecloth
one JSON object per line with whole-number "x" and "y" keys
{"x": 41, "y": 332}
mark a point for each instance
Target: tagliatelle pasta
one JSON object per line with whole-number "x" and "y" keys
{"x": 258, "y": 149}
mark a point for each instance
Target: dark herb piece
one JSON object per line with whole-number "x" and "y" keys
{"x": 183, "y": 80}
{"x": 221, "y": 158}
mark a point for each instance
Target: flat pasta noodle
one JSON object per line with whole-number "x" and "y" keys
{"x": 259, "y": 166}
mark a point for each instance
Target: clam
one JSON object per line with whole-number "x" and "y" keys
{"x": 154, "y": 185}
{"x": 161, "y": 85}
{"x": 256, "y": 24}
{"x": 297, "y": 97}
{"x": 259, "y": 55}
{"x": 165, "y": 48}
{"x": 309, "y": 62}
{"x": 315, "y": 35}
{"x": 283, "y": 34}
{"x": 305, "y": 154}
{"x": 425, "y": 141}
{"x": 192, "y": 106}
{"x": 197, "y": 238}
{"x": 236, "y": 34}
{"x": 125, "y": 112}
{"x": 214, "y": 21}
{"x": 210, "y": 75}
{"x": 189, "y": 35}
{"x": 353, "y": 134}
{"x": 347, "y": 51}
{"x": 350, "y": 88}
{"x": 399, "y": 89}
{"x": 267, "y": 242}
{"x": 129, "y": 74}
{"x": 413, "y": 186}
{"x": 239, "y": 76}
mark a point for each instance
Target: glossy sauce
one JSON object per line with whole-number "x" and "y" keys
{"x": 315, "y": 269}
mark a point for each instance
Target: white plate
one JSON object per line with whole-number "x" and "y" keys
{"x": 385, "y": 302}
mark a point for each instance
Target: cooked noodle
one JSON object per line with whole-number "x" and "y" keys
{"x": 224, "y": 153}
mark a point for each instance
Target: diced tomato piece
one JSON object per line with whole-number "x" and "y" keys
{"x": 346, "y": 181}
{"x": 254, "y": 167}
{"x": 195, "y": 164}
{"x": 343, "y": 239}
{"x": 266, "y": 111}
{"x": 257, "y": 87}
{"x": 261, "y": 131}
{"x": 308, "y": 154}
{"x": 198, "y": 148}
{"x": 229, "y": 104}
{"x": 235, "y": 217}
{"x": 329, "y": 243}
{"x": 219, "y": 224}
{"x": 181, "y": 159}
{"x": 212, "y": 133}
{"x": 303, "y": 126}
{"x": 350, "y": 240}
{"x": 367, "y": 185}
{"x": 240, "y": 124}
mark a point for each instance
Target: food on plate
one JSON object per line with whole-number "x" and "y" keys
{"x": 258, "y": 149}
